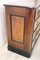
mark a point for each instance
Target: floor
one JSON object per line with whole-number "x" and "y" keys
{"x": 8, "y": 55}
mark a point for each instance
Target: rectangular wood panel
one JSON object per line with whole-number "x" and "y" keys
{"x": 20, "y": 26}
{"x": 17, "y": 28}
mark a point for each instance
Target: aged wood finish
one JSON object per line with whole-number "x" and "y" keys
{"x": 20, "y": 22}
{"x": 17, "y": 28}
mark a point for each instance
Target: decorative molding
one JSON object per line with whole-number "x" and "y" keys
{"x": 11, "y": 27}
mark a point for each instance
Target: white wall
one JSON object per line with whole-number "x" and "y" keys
{"x": 2, "y": 21}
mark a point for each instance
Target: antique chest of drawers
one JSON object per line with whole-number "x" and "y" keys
{"x": 20, "y": 27}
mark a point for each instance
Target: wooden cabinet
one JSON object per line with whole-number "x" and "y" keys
{"x": 20, "y": 25}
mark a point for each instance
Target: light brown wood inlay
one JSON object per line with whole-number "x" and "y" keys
{"x": 17, "y": 28}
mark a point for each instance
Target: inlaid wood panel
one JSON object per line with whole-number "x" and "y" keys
{"x": 20, "y": 25}
{"x": 17, "y": 28}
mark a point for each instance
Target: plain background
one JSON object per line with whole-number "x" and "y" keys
{"x": 3, "y": 22}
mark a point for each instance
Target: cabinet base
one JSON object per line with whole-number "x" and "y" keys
{"x": 16, "y": 50}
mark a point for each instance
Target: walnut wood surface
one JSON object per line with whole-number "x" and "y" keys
{"x": 17, "y": 28}
{"x": 23, "y": 26}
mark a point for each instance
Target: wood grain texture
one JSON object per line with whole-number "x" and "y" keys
{"x": 17, "y": 28}
{"x": 19, "y": 25}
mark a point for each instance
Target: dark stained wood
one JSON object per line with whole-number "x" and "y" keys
{"x": 18, "y": 6}
{"x": 20, "y": 23}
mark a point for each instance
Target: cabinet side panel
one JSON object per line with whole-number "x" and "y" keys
{"x": 29, "y": 29}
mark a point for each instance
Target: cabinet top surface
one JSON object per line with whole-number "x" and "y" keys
{"x": 29, "y": 3}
